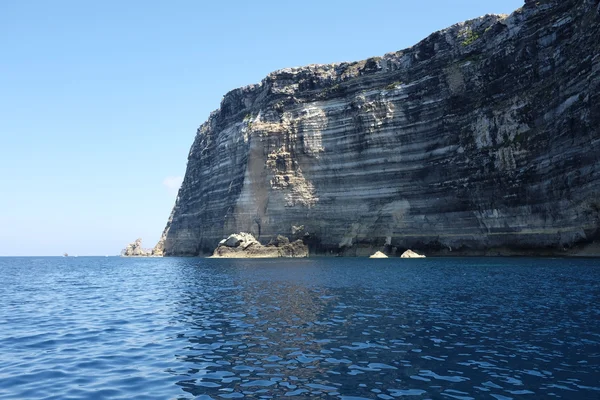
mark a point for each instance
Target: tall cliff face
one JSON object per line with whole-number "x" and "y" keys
{"x": 484, "y": 135}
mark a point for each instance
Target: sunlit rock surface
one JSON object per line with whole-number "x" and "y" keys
{"x": 135, "y": 249}
{"x": 481, "y": 139}
{"x": 378, "y": 254}
{"x": 244, "y": 245}
{"x": 411, "y": 254}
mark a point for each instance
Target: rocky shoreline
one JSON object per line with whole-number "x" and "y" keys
{"x": 244, "y": 245}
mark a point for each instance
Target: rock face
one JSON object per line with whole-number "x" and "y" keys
{"x": 244, "y": 245}
{"x": 485, "y": 135}
{"x": 135, "y": 249}
{"x": 378, "y": 255}
{"x": 411, "y": 254}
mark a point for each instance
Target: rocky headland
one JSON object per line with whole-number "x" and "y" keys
{"x": 484, "y": 138}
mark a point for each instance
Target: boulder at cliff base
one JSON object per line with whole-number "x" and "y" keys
{"x": 378, "y": 254}
{"x": 244, "y": 245}
{"x": 411, "y": 254}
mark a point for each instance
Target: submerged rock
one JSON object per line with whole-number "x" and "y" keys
{"x": 411, "y": 254}
{"x": 244, "y": 245}
{"x": 378, "y": 254}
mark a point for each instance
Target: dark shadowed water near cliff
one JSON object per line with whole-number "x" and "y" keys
{"x": 93, "y": 328}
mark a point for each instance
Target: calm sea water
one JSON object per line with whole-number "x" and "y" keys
{"x": 114, "y": 328}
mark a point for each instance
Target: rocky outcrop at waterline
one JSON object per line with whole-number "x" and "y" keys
{"x": 378, "y": 254}
{"x": 411, "y": 254}
{"x": 135, "y": 249}
{"x": 244, "y": 245}
{"x": 483, "y": 136}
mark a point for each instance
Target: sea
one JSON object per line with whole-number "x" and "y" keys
{"x": 324, "y": 328}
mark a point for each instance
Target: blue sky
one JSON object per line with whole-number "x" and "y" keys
{"x": 100, "y": 101}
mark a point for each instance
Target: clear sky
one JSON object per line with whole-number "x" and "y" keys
{"x": 100, "y": 100}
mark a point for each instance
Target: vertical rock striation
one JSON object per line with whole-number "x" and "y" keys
{"x": 485, "y": 135}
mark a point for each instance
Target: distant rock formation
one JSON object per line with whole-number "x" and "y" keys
{"x": 378, "y": 254}
{"x": 244, "y": 245}
{"x": 135, "y": 249}
{"x": 482, "y": 138}
{"x": 411, "y": 254}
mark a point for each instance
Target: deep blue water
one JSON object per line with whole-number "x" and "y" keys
{"x": 175, "y": 328}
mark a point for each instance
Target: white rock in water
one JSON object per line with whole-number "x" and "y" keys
{"x": 411, "y": 254}
{"x": 379, "y": 254}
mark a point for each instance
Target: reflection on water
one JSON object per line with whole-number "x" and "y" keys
{"x": 321, "y": 328}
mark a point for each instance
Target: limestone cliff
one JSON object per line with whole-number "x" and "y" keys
{"x": 485, "y": 135}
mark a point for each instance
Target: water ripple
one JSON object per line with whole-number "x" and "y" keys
{"x": 93, "y": 328}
